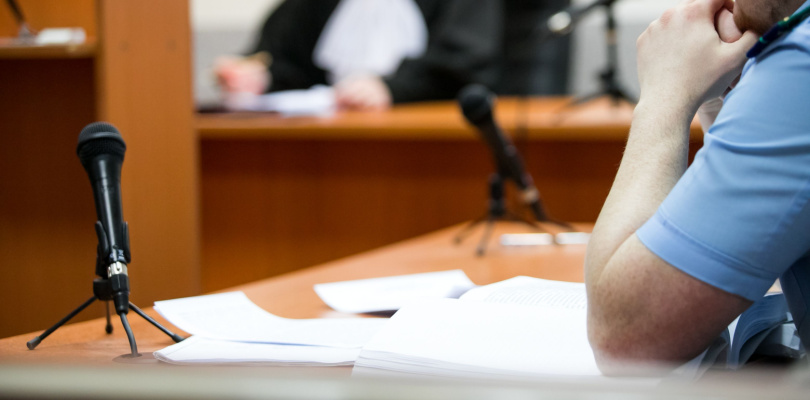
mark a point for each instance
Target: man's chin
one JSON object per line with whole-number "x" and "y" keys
{"x": 746, "y": 23}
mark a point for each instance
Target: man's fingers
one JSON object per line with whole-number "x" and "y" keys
{"x": 748, "y": 39}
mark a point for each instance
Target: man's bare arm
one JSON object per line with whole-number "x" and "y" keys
{"x": 641, "y": 308}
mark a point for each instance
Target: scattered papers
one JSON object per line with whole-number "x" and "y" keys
{"x": 317, "y": 100}
{"x": 460, "y": 338}
{"x": 232, "y": 316}
{"x": 198, "y": 350}
{"x": 522, "y": 326}
{"x": 391, "y": 293}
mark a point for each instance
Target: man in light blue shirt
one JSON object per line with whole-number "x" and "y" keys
{"x": 678, "y": 253}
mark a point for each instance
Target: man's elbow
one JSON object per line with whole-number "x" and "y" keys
{"x": 629, "y": 352}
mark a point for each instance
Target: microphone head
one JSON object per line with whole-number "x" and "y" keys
{"x": 476, "y": 102}
{"x": 100, "y": 138}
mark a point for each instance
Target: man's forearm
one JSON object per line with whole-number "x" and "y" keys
{"x": 653, "y": 161}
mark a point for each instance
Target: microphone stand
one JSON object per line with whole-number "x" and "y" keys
{"x": 25, "y": 33}
{"x": 102, "y": 291}
{"x": 608, "y": 78}
{"x": 496, "y": 211}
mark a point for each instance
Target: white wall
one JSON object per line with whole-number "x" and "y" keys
{"x": 229, "y": 27}
{"x": 589, "y": 55}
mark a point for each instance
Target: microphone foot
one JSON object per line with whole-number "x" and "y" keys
{"x": 33, "y": 343}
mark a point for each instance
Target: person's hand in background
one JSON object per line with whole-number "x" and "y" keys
{"x": 243, "y": 74}
{"x": 363, "y": 92}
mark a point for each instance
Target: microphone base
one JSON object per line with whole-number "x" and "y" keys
{"x": 102, "y": 292}
{"x": 496, "y": 211}
{"x": 489, "y": 223}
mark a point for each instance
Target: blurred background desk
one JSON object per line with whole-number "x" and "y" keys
{"x": 280, "y": 194}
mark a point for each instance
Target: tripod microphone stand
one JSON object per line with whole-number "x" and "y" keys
{"x": 101, "y": 151}
{"x": 102, "y": 291}
{"x": 496, "y": 211}
{"x": 608, "y": 78}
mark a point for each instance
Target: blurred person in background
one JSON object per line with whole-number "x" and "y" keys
{"x": 375, "y": 53}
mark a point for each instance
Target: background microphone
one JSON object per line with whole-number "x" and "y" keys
{"x": 476, "y": 104}
{"x": 101, "y": 151}
{"x": 562, "y": 22}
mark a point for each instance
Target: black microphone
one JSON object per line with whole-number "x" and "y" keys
{"x": 476, "y": 104}
{"x": 562, "y": 22}
{"x": 101, "y": 151}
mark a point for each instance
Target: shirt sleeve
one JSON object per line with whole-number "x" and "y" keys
{"x": 464, "y": 39}
{"x": 740, "y": 215}
{"x": 289, "y": 35}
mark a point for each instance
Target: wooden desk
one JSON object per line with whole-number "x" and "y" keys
{"x": 78, "y": 360}
{"x": 280, "y": 194}
{"x": 291, "y": 295}
{"x": 534, "y": 119}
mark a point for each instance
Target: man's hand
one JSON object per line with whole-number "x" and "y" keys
{"x": 729, "y": 33}
{"x": 242, "y": 75}
{"x": 682, "y": 59}
{"x": 363, "y": 92}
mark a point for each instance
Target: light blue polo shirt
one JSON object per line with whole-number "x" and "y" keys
{"x": 739, "y": 218}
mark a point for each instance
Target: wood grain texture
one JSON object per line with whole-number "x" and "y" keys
{"x": 138, "y": 78}
{"x": 291, "y": 295}
{"x": 279, "y": 194}
{"x": 47, "y": 241}
{"x": 274, "y": 206}
{"x": 144, "y": 81}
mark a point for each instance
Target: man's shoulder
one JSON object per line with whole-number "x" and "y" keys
{"x": 800, "y": 35}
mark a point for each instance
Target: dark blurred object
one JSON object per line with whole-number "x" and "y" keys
{"x": 533, "y": 64}
{"x": 464, "y": 39}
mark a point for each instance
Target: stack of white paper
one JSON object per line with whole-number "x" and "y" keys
{"x": 317, "y": 100}
{"x": 393, "y": 292}
{"x": 230, "y": 321}
{"x": 197, "y": 350}
{"x": 519, "y": 327}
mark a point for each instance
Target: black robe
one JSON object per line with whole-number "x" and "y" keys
{"x": 464, "y": 45}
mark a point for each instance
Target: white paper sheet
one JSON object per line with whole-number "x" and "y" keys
{"x": 532, "y": 291}
{"x": 460, "y": 337}
{"x": 391, "y": 293}
{"x": 232, "y": 316}
{"x": 318, "y": 100}
{"x": 198, "y": 350}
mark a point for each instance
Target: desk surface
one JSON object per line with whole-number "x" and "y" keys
{"x": 291, "y": 295}
{"x": 77, "y": 361}
{"x": 541, "y": 118}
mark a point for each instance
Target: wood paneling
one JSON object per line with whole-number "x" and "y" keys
{"x": 144, "y": 81}
{"x": 278, "y": 205}
{"x": 138, "y": 78}
{"x": 47, "y": 242}
{"x": 281, "y": 194}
